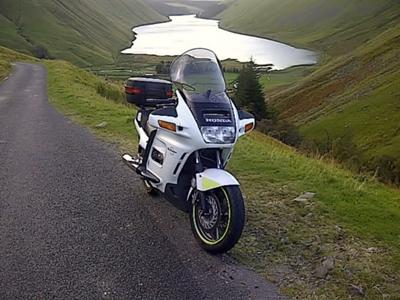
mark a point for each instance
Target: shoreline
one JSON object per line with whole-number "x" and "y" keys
{"x": 300, "y": 47}
{"x": 144, "y": 24}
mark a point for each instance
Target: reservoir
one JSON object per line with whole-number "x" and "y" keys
{"x": 186, "y": 32}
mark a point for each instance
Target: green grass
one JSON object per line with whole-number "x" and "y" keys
{"x": 352, "y": 218}
{"x": 83, "y": 32}
{"x": 276, "y": 80}
{"x": 351, "y": 199}
{"x": 373, "y": 122}
{"x": 283, "y": 78}
{"x": 8, "y": 56}
{"x": 336, "y": 26}
{"x": 9, "y": 36}
{"x": 75, "y": 92}
{"x": 130, "y": 65}
{"x": 286, "y": 241}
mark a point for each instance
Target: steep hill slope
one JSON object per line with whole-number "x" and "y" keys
{"x": 83, "y": 32}
{"x": 350, "y": 105}
{"x": 357, "y": 94}
{"x": 334, "y": 26}
{"x": 203, "y": 8}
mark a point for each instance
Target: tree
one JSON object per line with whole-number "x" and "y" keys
{"x": 249, "y": 94}
{"x": 388, "y": 169}
{"x": 163, "y": 67}
{"x": 41, "y": 52}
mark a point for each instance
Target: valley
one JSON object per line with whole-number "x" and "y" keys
{"x": 343, "y": 242}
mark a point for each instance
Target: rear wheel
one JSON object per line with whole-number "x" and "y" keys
{"x": 218, "y": 223}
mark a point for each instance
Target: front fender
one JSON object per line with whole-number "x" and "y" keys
{"x": 214, "y": 178}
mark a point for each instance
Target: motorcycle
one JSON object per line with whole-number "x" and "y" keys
{"x": 186, "y": 142}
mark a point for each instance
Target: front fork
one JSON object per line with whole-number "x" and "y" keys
{"x": 199, "y": 168}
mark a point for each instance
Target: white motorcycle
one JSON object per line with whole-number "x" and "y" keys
{"x": 186, "y": 142}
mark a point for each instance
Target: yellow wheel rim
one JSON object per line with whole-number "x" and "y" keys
{"x": 199, "y": 232}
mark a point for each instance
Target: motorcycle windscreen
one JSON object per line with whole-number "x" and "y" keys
{"x": 198, "y": 71}
{"x": 198, "y": 75}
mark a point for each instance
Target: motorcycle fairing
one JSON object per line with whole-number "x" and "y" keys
{"x": 178, "y": 146}
{"x": 210, "y": 109}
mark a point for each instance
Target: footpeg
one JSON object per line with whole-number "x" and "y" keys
{"x": 132, "y": 162}
{"x": 135, "y": 164}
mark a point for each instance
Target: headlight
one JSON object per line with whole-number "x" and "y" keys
{"x": 218, "y": 134}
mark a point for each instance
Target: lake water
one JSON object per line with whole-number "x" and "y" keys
{"x": 187, "y": 32}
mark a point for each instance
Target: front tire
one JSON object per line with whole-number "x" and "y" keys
{"x": 219, "y": 225}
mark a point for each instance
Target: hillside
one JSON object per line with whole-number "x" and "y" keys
{"x": 357, "y": 94}
{"x": 83, "y": 32}
{"x": 334, "y": 26}
{"x": 203, "y": 8}
{"x": 349, "y": 106}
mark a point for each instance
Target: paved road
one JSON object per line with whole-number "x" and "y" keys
{"x": 75, "y": 223}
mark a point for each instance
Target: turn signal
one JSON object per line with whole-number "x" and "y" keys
{"x": 248, "y": 127}
{"x": 167, "y": 125}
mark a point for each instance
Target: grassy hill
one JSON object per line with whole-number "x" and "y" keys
{"x": 6, "y": 57}
{"x": 352, "y": 219}
{"x": 349, "y": 105}
{"x": 356, "y": 94}
{"x": 202, "y": 8}
{"x": 334, "y": 26}
{"x": 83, "y": 32}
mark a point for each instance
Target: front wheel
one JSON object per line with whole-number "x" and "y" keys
{"x": 217, "y": 218}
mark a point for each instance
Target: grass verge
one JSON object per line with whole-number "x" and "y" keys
{"x": 75, "y": 92}
{"x": 352, "y": 221}
{"x": 7, "y": 57}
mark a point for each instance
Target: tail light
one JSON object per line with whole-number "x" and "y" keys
{"x": 133, "y": 90}
{"x": 170, "y": 93}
